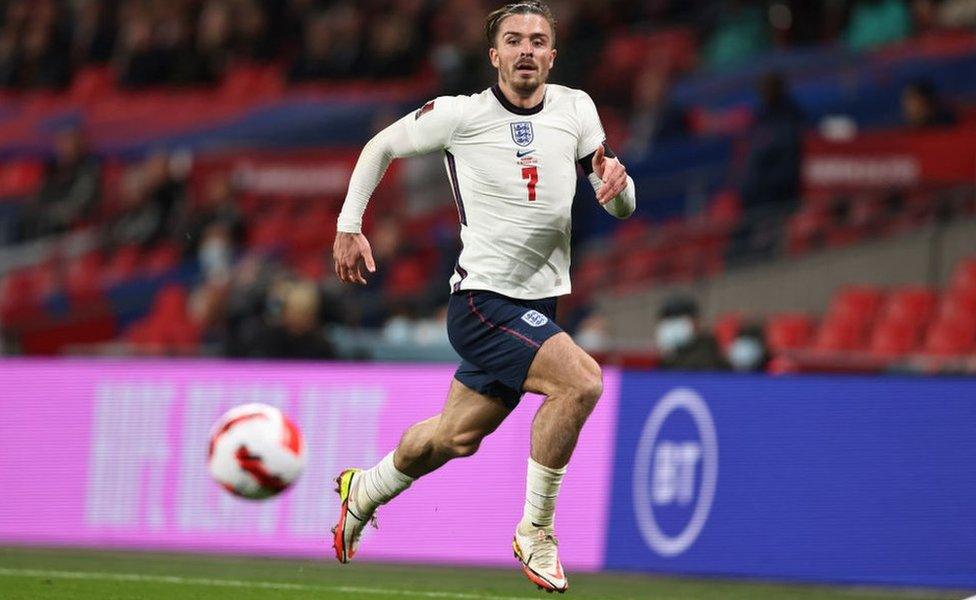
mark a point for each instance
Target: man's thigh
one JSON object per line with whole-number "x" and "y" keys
{"x": 469, "y": 414}
{"x": 561, "y": 364}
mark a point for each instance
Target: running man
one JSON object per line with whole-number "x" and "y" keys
{"x": 511, "y": 154}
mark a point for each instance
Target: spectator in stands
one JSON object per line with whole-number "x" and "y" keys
{"x": 739, "y": 32}
{"x": 332, "y": 46}
{"x": 44, "y": 60}
{"x": 93, "y": 32}
{"x": 296, "y": 333}
{"x": 138, "y": 60}
{"x": 392, "y": 48}
{"x": 748, "y": 352}
{"x": 875, "y": 23}
{"x": 682, "y": 342}
{"x": 217, "y": 206}
{"x": 772, "y": 175}
{"x": 251, "y": 39}
{"x": 923, "y": 109}
{"x": 213, "y": 39}
{"x": 70, "y": 191}
{"x": 653, "y": 117}
{"x": 459, "y": 56}
{"x": 216, "y": 252}
{"x": 770, "y": 186}
{"x": 155, "y": 197}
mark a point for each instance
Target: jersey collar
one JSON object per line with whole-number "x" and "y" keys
{"x": 497, "y": 91}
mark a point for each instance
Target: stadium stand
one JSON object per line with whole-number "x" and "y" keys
{"x": 220, "y": 179}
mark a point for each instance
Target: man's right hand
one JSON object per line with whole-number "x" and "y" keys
{"x": 349, "y": 252}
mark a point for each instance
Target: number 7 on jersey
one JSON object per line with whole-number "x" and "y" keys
{"x": 532, "y": 174}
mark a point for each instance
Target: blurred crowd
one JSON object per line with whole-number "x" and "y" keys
{"x": 191, "y": 42}
{"x": 258, "y": 303}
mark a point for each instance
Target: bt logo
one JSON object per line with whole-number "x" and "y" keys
{"x": 675, "y": 472}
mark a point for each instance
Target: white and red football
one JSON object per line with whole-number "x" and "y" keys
{"x": 255, "y": 451}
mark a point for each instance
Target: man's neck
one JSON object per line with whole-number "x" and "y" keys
{"x": 530, "y": 101}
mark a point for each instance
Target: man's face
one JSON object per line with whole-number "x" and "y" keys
{"x": 523, "y": 52}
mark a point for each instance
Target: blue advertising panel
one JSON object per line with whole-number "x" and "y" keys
{"x": 834, "y": 479}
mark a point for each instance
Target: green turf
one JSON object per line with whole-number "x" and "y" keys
{"x": 40, "y": 574}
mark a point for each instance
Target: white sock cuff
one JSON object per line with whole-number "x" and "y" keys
{"x": 547, "y": 470}
{"x": 390, "y": 469}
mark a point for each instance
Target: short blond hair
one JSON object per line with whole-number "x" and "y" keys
{"x": 526, "y": 7}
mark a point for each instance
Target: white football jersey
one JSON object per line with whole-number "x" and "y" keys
{"x": 513, "y": 172}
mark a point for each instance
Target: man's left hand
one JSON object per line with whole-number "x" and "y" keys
{"x": 613, "y": 174}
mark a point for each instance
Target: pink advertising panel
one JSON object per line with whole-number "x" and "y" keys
{"x": 112, "y": 454}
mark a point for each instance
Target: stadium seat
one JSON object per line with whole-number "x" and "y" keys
{"x": 893, "y": 339}
{"x": 963, "y": 281}
{"x": 726, "y": 327}
{"x": 859, "y": 303}
{"x": 805, "y": 230}
{"x": 407, "y": 277}
{"x": 122, "y": 265}
{"x": 911, "y": 304}
{"x": 162, "y": 259}
{"x": 945, "y": 338}
{"x": 592, "y": 273}
{"x": 957, "y": 308}
{"x": 640, "y": 266}
{"x": 168, "y": 328}
{"x": 837, "y": 335}
{"x": 788, "y": 331}
{"x": 84, "y": 277}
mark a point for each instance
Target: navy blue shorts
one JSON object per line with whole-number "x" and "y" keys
{"x": 497, "y": 338}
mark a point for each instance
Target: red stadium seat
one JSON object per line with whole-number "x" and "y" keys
{"x": 839, "y": 335}
{"x": 725, "y": 208}
{"x": 592, "y": 273}
{"x": 121, "y": 266}
{"x": 727, "y": 327}
{"x": 407, "y": 277}
{"x": 167, "y": 329}
{"x": 857, "y": 303}
{"x": 911, "y": 304}
{"x": 639, "y": 266}
{"x": 805, "y": 230}
{"x": 892, "y": 339}
{"x": 84, "y": 277}
{"x": 945, "y": 338}
{"x": 964, "y": 278}
{"x": 161, "y": 259}
{"x": 957, "y": 308}
{"x": 788, "y": 331}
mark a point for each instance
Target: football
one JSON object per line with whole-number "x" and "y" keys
{"x": 255, "y": 451}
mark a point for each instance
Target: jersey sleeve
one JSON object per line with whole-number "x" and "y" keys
{"x": 591, "y": 130}
{"x": 427, "y": 129}
{"x": 431, "y": 127}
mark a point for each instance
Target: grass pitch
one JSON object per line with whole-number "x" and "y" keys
{"x": 41, "y": 574}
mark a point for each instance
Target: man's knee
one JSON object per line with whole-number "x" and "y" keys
{"x": 457, "y": 445}
{"x": 588, "y": 386}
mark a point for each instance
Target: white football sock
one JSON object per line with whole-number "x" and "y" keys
{"x": 380, "y": 484}
{"x": 541, "y": 489}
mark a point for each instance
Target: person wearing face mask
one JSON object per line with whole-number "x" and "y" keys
{"x": 683, "y": 344}
{"x": 748, "y": 352}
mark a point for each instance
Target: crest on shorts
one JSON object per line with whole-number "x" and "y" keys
{"x": 535, "y": 318}
{"x": 522, "y": 133}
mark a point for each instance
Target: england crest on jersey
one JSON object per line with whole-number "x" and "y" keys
{"x": 522, "y": 133}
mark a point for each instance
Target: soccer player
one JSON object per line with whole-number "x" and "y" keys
{"x": 511, "y": 154}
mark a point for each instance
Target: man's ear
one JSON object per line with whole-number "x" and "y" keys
{"x": 493, "y": 57}
{"x": 552, "y": 57}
